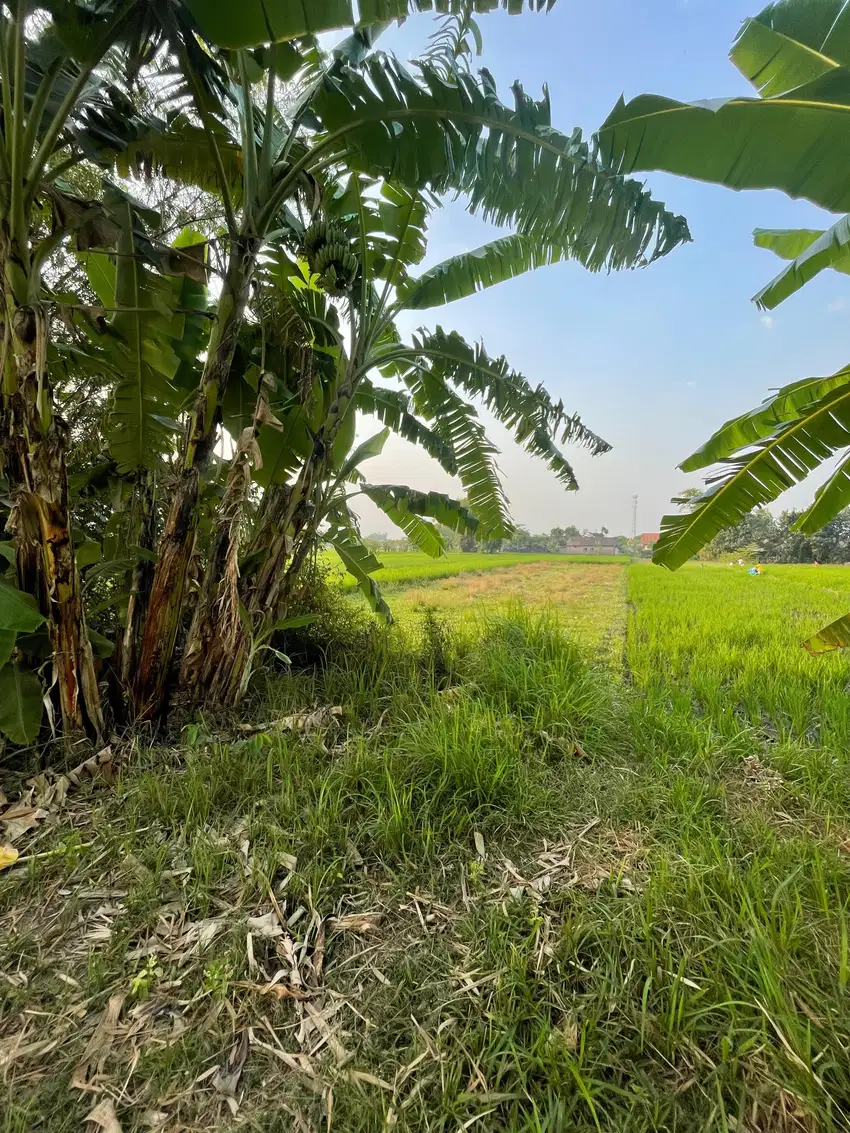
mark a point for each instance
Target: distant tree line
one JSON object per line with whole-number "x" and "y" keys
{"x": 773, "y": 539}
{"x": 522, "y": 541}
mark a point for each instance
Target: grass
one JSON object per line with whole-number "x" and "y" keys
{"x": 588, "y": 598}
{"x": 405, "y": 567}
{"x": 565, "y": 899}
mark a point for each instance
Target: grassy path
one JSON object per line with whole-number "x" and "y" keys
{"x": 510, "y": 892}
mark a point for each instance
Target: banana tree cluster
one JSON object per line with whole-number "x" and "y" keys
{"x": 796, "y": 54}
{"x": 228, "y": 363}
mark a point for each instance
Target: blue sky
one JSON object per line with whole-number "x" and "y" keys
{"x": 653, "y": 359}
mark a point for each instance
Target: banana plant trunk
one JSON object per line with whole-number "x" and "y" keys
{"x": 285, "y": 536}
{"x": 178, "y": 538}
{"x": 35, "y": 458}
{"x": 217, "y": 634}
{"x": 142, "y": 531}
{"x": 268, "y": 584}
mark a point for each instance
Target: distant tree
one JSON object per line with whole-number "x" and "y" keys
{"x": 686, "y": 497}
{"x": 757, "y": 534}
{"x": 451, "y": 539}
{"x": 563, "y": 533}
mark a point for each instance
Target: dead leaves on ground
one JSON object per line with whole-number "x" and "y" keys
{"x": 317, "y": 720}
{"x": 283, "y": 1012}
{"x": 103, "y": 1119}
{"x": 45, "y": 796}
{"x": 88, "y": 1072}
{"x": 612, "y": 857}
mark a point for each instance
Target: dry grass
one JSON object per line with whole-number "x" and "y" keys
{"x": 588, "y": 599}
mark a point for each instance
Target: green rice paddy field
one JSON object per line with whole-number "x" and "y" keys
{"x": 576, "y": 857}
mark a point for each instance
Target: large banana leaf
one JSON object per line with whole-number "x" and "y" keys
{"x": 21, "y": 707}
{"x": 181, "y": 150}
{"x": 420, "y": 532}
{"x": 145, "y": 326}
{"x": 406, "y": 507}
{"x": 758, "y": 475}
{"x": 360, "y": 564}
{"x": 834, "y": 636}
{"x": 791, "y": 43}
{"x": 527, "y": 411}
{"x": 790, "y": 142}
{"x": 18, "y": 611}
{"x": 453, "y": 133}
{"x": 371, "y": 447}
{"x": 7, "y": 645}
{"x": 785, "y": 405}
{"x": 392, "y": 408}
{"x": 458, "y": 424}
{"x": 830, "y": 249}
{"x": 253, "y": 22}
{"x": 830, "y": 499}
{"x": 469, "y": 272}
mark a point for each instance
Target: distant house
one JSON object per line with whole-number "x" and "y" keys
{"x": 649, "y": 538}
{"x": 592, "y": 545}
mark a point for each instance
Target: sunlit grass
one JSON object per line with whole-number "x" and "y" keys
{"x": 607, "y": 904}
{"x": 726, "y": 645}
{"x": 413, "y": 566}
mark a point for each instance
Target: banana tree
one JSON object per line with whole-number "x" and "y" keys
{"x": 359, "y": 256}
{"x": 146, "y": 353}
{"x": 435, "y": 130}
{"x": 796, "y": 53}
{"x": 56, "y": 112}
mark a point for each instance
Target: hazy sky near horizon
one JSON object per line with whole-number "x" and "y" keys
{"x": 653, "y": 359}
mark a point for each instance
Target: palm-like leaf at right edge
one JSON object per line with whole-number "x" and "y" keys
{"x": 765, "y": 453}
{"x": 810, "y": 252}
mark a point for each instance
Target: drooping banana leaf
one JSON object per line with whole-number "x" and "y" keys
{"x": 836, "y": 635}
{"x": 830, "y": 499}
{"x": 406, "y": 507}
{"x": 360, "y": 564}
{"x": 758, "y": 475}
{"x": 527, "y": 411}
{"x": 829, "y": 249}
{"x": 456, "y": 421}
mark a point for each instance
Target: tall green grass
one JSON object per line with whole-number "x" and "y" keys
{"x": 725, "y": 646}
{"x": 687, "y": 969}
